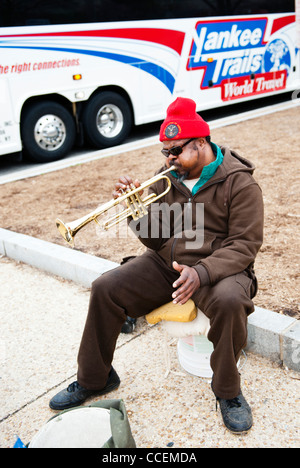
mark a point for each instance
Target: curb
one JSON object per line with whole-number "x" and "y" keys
{"x": 272, "y": 335}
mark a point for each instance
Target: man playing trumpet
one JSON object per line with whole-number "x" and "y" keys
{"x": 215, "y": 268}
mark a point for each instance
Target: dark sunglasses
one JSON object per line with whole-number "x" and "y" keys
{"x": 176, "y": 150}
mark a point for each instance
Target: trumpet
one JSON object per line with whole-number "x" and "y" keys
{"x": 136, "y": 207}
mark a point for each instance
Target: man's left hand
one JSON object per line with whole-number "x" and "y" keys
{"x": 187, "y": 283}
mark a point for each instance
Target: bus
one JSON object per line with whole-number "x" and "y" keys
{"x": 85, "y": 72}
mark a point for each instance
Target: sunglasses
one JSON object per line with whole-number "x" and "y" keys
{"x": 176, "y": 150}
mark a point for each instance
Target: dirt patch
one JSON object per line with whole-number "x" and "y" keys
{"x": 272, "y": 143}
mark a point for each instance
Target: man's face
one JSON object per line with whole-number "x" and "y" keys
{"x": 190, "y": 160}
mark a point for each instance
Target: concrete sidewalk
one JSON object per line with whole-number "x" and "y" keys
{"x": 42, "y": 317}
{"x": 272, "y": 335}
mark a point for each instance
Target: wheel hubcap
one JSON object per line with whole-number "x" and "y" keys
{"x": 109, "y": 120}
{"x": 50, "y": 132}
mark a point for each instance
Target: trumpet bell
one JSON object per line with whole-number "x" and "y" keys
{"x": 65, "y": 231}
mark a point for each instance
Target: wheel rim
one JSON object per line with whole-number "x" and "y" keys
{"x": 50, "y": 132}
{"x": 109, "y": 121}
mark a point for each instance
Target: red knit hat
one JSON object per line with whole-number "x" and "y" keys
{"x": 183, "y": 122}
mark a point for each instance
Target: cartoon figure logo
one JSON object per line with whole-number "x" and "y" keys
{"x": 277, "y": 57}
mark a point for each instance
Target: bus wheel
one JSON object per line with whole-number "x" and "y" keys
{"x": 107, "y": 119}
{"x": 48, "y": 132}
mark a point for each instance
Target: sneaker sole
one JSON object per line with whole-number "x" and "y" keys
{"x": 238, "y": 432}
{"x": 107, "y": 389}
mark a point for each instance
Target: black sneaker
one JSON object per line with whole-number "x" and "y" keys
{"x": 129, "y": 325}
{"x": 236, "y": 413}
{"x": 74, "y": 395}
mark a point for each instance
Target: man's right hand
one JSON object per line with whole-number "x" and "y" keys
{"x": 125, "y": 183}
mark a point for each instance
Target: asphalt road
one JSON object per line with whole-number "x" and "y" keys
{"x": 9, "y": 165}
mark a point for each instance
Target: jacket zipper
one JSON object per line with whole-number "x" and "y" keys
{"x": 190, "y": 201}
{"x": 176, "y": 238}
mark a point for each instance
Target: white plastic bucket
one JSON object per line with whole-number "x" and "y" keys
{"x": 194, "y": 355}
{"x": 83, "y": 427}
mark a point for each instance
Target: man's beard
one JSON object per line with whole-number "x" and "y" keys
{"x": 182, "y": 177}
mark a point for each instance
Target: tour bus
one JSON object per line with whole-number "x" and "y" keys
{"x": 85, "y": 72}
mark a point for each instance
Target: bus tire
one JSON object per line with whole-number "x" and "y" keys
{"x": 48, "y": 132}
{"x": 107, "y": 119}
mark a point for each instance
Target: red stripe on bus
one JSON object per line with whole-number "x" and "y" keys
{"x": 282, "y": 22}
{"x": 167, "y": 37}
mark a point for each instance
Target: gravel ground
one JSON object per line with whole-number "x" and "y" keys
{"x": 42, "y": 317}
{"x": 270, "y": 142}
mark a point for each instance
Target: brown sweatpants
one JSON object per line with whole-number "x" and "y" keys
{"x": 145, "y": 283}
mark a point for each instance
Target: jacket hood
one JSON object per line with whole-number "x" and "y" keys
{"x": 233, "y": 162}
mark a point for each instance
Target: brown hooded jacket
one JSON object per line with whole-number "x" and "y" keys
{"x": 222, "y": 243}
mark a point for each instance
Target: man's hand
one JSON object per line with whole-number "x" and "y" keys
{"x": 124, "y": 183}
{"x": 187, "y": 283}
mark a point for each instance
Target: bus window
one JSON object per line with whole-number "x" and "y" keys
{"x": 41, "y": 12}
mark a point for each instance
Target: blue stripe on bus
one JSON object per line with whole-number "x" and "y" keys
{"x": 155, "y": 70}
